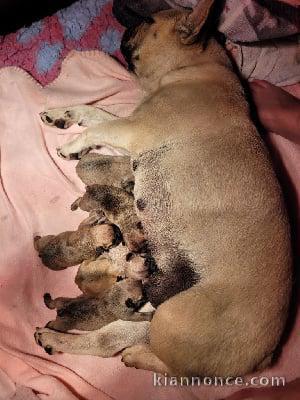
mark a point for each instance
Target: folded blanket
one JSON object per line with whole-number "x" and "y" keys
{"x": 36, "y": 191}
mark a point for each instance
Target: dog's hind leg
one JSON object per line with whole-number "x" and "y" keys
{"x": 104, "y": 342}
{"x": 59, "y": 324}
{"x": 83, "y": 115}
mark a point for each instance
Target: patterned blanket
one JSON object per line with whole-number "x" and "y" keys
{"x": 40, "y": 48}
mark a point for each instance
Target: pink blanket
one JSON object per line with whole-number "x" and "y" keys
{"x": 36, "y": 190}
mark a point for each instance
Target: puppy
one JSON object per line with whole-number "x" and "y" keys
{"x": 110, "y": 184}
{"x": 210, "y": 205}
{"x": 95, "y": 276}
{"x": 119, "y": 299}
{"x": 99, "y": 169}
{"x": 73, "y": 247}
{"x": 118, "y": 206}
{"x": 111, "y": 292}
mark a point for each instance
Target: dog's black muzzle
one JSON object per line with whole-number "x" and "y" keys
{"x": 126, "y": 48}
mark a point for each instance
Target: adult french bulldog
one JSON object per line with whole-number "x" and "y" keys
{"x": 209, "y": 202}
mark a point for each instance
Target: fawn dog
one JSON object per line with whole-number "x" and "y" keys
{"x": 210, "y": 205}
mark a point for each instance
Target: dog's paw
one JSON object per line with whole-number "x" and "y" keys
{"x": 45, "y": 338}
{"x": 128, "y": 357}
{"x": 59, "y": 117}
{"x": 132, "y": 356}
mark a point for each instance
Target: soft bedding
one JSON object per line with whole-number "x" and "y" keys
{"x": 36, "y": 190}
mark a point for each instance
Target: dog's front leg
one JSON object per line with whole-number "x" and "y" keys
{"x": 82, "y": 115}
{"x": 117, "y": 134}
{"x": 104, "y": 342}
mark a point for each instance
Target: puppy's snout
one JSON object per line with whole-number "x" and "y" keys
{"x": 135, "y": 305}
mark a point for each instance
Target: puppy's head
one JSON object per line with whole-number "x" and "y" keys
{"x": 159, "y": 41}
{"x": 96, "y": 277}
{"x": 51, "y": 253}
{"x": 127, "y": 293}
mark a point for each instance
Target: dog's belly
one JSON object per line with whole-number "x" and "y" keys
{"x": 177, "y": 274}
{"x": 171, "y": 269}
{"x": 208, "y": 220}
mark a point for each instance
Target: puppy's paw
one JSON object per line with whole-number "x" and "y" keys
{"x": 36, "y": 242}
{"x": 59, "y": 117}
{"x": 49, "y": 302}
{"x": 76, "y": 204}
{"x": 45, "y": 338}
{"x": 69, "y": 153}
{"x": 63, "y": 153}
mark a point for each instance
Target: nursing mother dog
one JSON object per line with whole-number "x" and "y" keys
{"x": 210, "y": 204}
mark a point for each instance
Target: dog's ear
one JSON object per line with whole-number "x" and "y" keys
{"x": 132, "y": 13}
{"x": 189, "y": 25}
{"x": 148, "y": 19}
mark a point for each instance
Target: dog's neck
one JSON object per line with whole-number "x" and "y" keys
{"x": 154, "y": 76}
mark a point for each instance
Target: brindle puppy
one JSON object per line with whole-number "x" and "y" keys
{"x": 122, "y": 300}
{"x": 210, "y": 204}
{"x": 112, "y": 290}
{"x": 73, "y": 247}
{"x": 106, "y": 170}
{"x": 118, "y": 206}
{"x": 104, "y": 203}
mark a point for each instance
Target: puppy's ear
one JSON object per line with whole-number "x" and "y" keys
{"x": 189, "y": 26}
